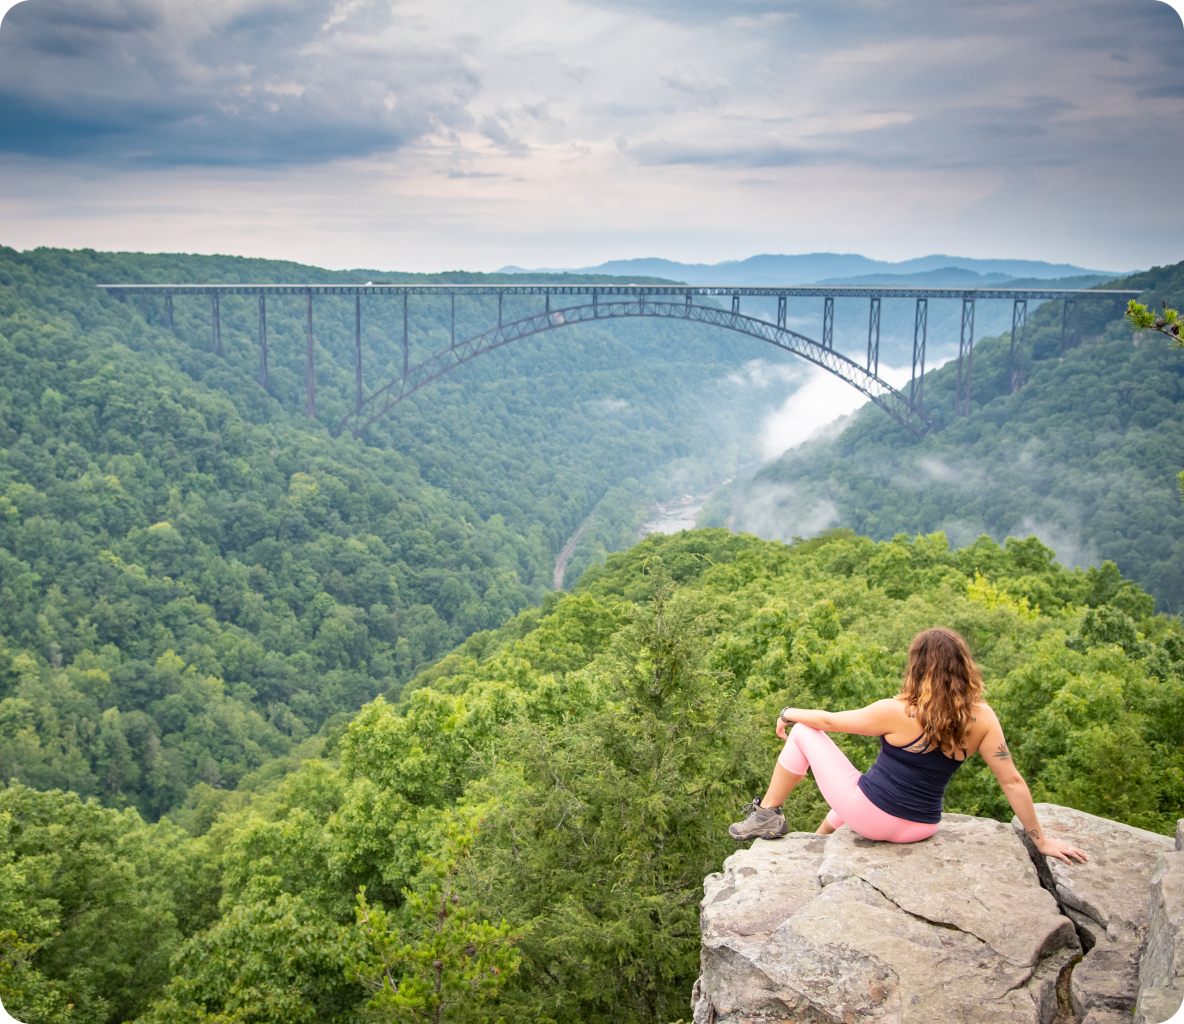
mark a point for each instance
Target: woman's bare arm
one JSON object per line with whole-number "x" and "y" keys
{"x": 995, "y": 752}
{"x": 876, "y": 719}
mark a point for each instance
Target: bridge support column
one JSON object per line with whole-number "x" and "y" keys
{"x": 873, "y": 336}
{"x": 500, "y": 297}
{"x": 263, "y": 340}
{"x": 168, "y": 310}
{"x": 780, "y": 311}
{"x": 215, "y": 324}
{"x": 548, "y": 309}
{"x": 1069, "y": 324}
{"x": 828, "y": 322}
{"x": 688, "y": 300}
{"x": 357, "y": 351}
{"x": 965, "y": 358}
{"x": 595, "y": 300}
{"x": 920, "y": 329}
{"x": 406, "y": 347}
{"x": 452, "y": 331}
{"x": 736, "y": 304}
{"x": 1015, "y": 359}
{"x": 309, "y": 370}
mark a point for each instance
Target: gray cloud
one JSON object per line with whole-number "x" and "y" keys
{"x": 695, "y": 129}
{"x": 247, "y": 83}
{"x": 742, "y": 84}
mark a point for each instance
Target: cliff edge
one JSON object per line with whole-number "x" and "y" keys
{"x": 966, "y": 926}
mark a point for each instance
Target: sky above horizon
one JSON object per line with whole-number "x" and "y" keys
{"x": 413, "y": 135}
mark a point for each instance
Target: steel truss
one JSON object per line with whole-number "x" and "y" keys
{"x": 879, "y": 391}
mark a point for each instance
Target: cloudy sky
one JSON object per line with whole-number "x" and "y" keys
{"x": 435, "y": 134}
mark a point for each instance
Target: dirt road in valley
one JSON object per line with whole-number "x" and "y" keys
{"x": 565, "y": 554}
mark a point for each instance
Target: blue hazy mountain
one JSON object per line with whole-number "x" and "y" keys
{"x": 954, "y": 277}
{"x": 809, "y": 268}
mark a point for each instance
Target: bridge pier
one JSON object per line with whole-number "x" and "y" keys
{"x": 1069, "y": 323}
{"x": 873, "y": 344}
{"x": 780, "y": 310}
{"x": 263, "y": 341}
{"x": 357, "y": 351}
{"x": 1015, "y": 359}
{"x": 965, "y": 352}
{"x": 735, "y": 303}
{"x": 405, "y": 346}
{"x": 828, "y": 322}
{"x": 312, "y": 382}
{"x": 215, "y": 325}
{"x": 920, "y": 329}
{"x": 168, "y": 310}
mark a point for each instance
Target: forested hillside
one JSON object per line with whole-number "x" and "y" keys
{"x": 1086, "y": 453}
{"x": 531, "y": 821}
{"x": 196, "y": 581}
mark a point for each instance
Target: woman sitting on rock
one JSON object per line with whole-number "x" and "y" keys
{"x": 899, "y": 799}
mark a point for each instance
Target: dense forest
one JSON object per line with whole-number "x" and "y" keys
{"x": 522, "y": 835}
{"x": 195, "y": 581}
{"x": 285, "y": 719}
{"x": 1086, "y": 453}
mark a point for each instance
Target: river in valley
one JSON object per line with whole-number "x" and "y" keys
{"x": 674, "y": 515}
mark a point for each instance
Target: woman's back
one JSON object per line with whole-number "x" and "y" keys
{"x": 909, "y": 782}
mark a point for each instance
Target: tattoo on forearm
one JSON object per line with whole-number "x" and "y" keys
{"x": 1002, "y": 752}
{"x": 1034, "y": 833}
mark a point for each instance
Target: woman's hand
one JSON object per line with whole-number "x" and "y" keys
{"x": 781, "y": 724}
{"x": 1062, "y": 851}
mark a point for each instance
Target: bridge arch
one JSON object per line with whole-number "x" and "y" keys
{"x": 878, "y": 390}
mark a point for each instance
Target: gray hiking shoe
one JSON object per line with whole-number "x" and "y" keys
{"x": 761, "y": 823}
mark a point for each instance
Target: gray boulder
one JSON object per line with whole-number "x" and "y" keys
{"x": 840, "y": 929}
{"x": 1107, "y": 900}
{"x": 1161, "y": 973}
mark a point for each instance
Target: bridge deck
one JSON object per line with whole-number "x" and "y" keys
{"x": 654, "y": 290}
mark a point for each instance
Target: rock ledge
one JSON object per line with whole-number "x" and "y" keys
{"x": 840, "y": 929}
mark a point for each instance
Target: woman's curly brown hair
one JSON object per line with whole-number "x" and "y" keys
{"x": 943, "y": 683}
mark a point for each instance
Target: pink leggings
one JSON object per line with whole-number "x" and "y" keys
{"x": 838, "y": 779}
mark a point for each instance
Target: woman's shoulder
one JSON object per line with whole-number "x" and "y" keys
{"x": 982, "y": 717}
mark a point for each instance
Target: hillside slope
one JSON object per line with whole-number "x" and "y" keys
{"x": 577, "y": 769}
{"x": 1085, "y": 455}
{"x": 195, "y": 579}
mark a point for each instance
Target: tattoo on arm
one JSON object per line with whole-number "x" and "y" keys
{"x": 1002, "y": 752}
{"x": 1034, "y": 833}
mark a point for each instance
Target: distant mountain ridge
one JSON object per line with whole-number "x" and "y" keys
{"x": 823, "y": 267}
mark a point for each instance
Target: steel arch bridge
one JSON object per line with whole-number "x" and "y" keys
{"x": 382, "y": 401}
{"x": 672, "y": 302}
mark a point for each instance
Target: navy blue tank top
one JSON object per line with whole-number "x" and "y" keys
{"x": 908, "y": 785}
